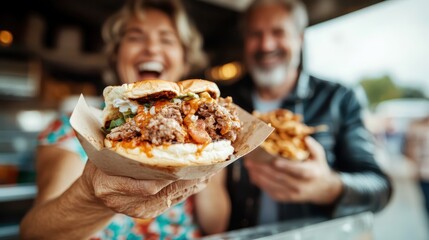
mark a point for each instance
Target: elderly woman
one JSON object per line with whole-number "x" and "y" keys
{"x": 144, "y": 40}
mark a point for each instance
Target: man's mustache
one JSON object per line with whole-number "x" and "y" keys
{"x": 263, "y": 54}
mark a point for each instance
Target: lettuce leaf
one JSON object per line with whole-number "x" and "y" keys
{"x": 116, "y": 123}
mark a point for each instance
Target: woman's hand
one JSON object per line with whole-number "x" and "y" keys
{"x": 75, "y": 201}
{"x": 137, "y": 198}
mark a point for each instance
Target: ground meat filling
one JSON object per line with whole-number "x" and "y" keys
{"x": 221, "y": 120}
{"x": 162, "y": 130}
{"x": 126, "y": 131}
{"x": 173, "y": 112}
{"x": 166, "y": 125}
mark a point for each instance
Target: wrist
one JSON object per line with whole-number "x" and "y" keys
{"x": 337, "y": 187}
{"x": 84, "y": 196}
{"x": 333, "y": 191}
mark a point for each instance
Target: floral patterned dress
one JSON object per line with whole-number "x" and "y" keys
{"x": 176, "y": 223}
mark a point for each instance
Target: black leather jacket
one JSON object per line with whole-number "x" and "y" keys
{"x": 348, "y": 145}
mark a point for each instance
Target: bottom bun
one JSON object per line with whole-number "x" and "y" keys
{"x": 179, "y": 154}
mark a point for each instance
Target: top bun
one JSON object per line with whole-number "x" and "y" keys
{"x": 151, "y": 90}
{"x": 199, "y": 86}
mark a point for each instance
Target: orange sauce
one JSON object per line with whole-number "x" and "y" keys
{"x": 143, "y": 116}
{"x": 129, "y": 144}
{"x": 200, "y": 149}
{"x": 194, "y": 104}
{"x": 166, "y": 145}
{"x": 146, "y": 148}
{"x": 160, "y": 104}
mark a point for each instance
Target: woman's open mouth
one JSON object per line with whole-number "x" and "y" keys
{"x": 150, "y": 70}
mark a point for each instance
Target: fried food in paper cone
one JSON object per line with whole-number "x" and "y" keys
{"x": 288, "y": 138}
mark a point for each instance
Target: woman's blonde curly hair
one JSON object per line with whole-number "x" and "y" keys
{"x": 190, "y": 38}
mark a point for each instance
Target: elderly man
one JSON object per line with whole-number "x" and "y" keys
{"x": 341, "y": 177}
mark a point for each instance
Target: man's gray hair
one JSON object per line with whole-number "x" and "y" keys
{"x": 295, "y": 7}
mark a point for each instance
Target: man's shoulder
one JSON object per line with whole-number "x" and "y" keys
{"x": 335, "y": 92}
{"x": 320, "y": 83}
{"x": 330, "y": 88}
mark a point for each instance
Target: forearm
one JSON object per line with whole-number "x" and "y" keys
{"x": 366, "y": 191}
{"x": 213, "y": 209}
{"x": 213, "y": 206}
{"x": 73, "y": 215}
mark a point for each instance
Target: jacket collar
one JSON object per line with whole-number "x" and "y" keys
{"x": 303, "y": 88}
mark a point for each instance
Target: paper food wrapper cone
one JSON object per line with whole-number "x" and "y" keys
{"x": 86, "y": 121}
{"x": 261, "y": 155}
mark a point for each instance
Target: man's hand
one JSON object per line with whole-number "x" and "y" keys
{"x": 288, "y": 181}
{"x": 136, "y": 198}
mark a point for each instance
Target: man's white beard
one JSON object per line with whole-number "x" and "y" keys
{"x": 269, "y": 78}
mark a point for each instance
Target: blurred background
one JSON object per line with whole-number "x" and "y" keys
{"x": 52, "y": 51}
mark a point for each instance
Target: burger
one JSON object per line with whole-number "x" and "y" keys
{"x": 165, "y": 123}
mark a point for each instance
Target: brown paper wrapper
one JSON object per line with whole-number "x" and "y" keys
{"x": 86, "y": 121}
{"x": 261, "y": 155}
